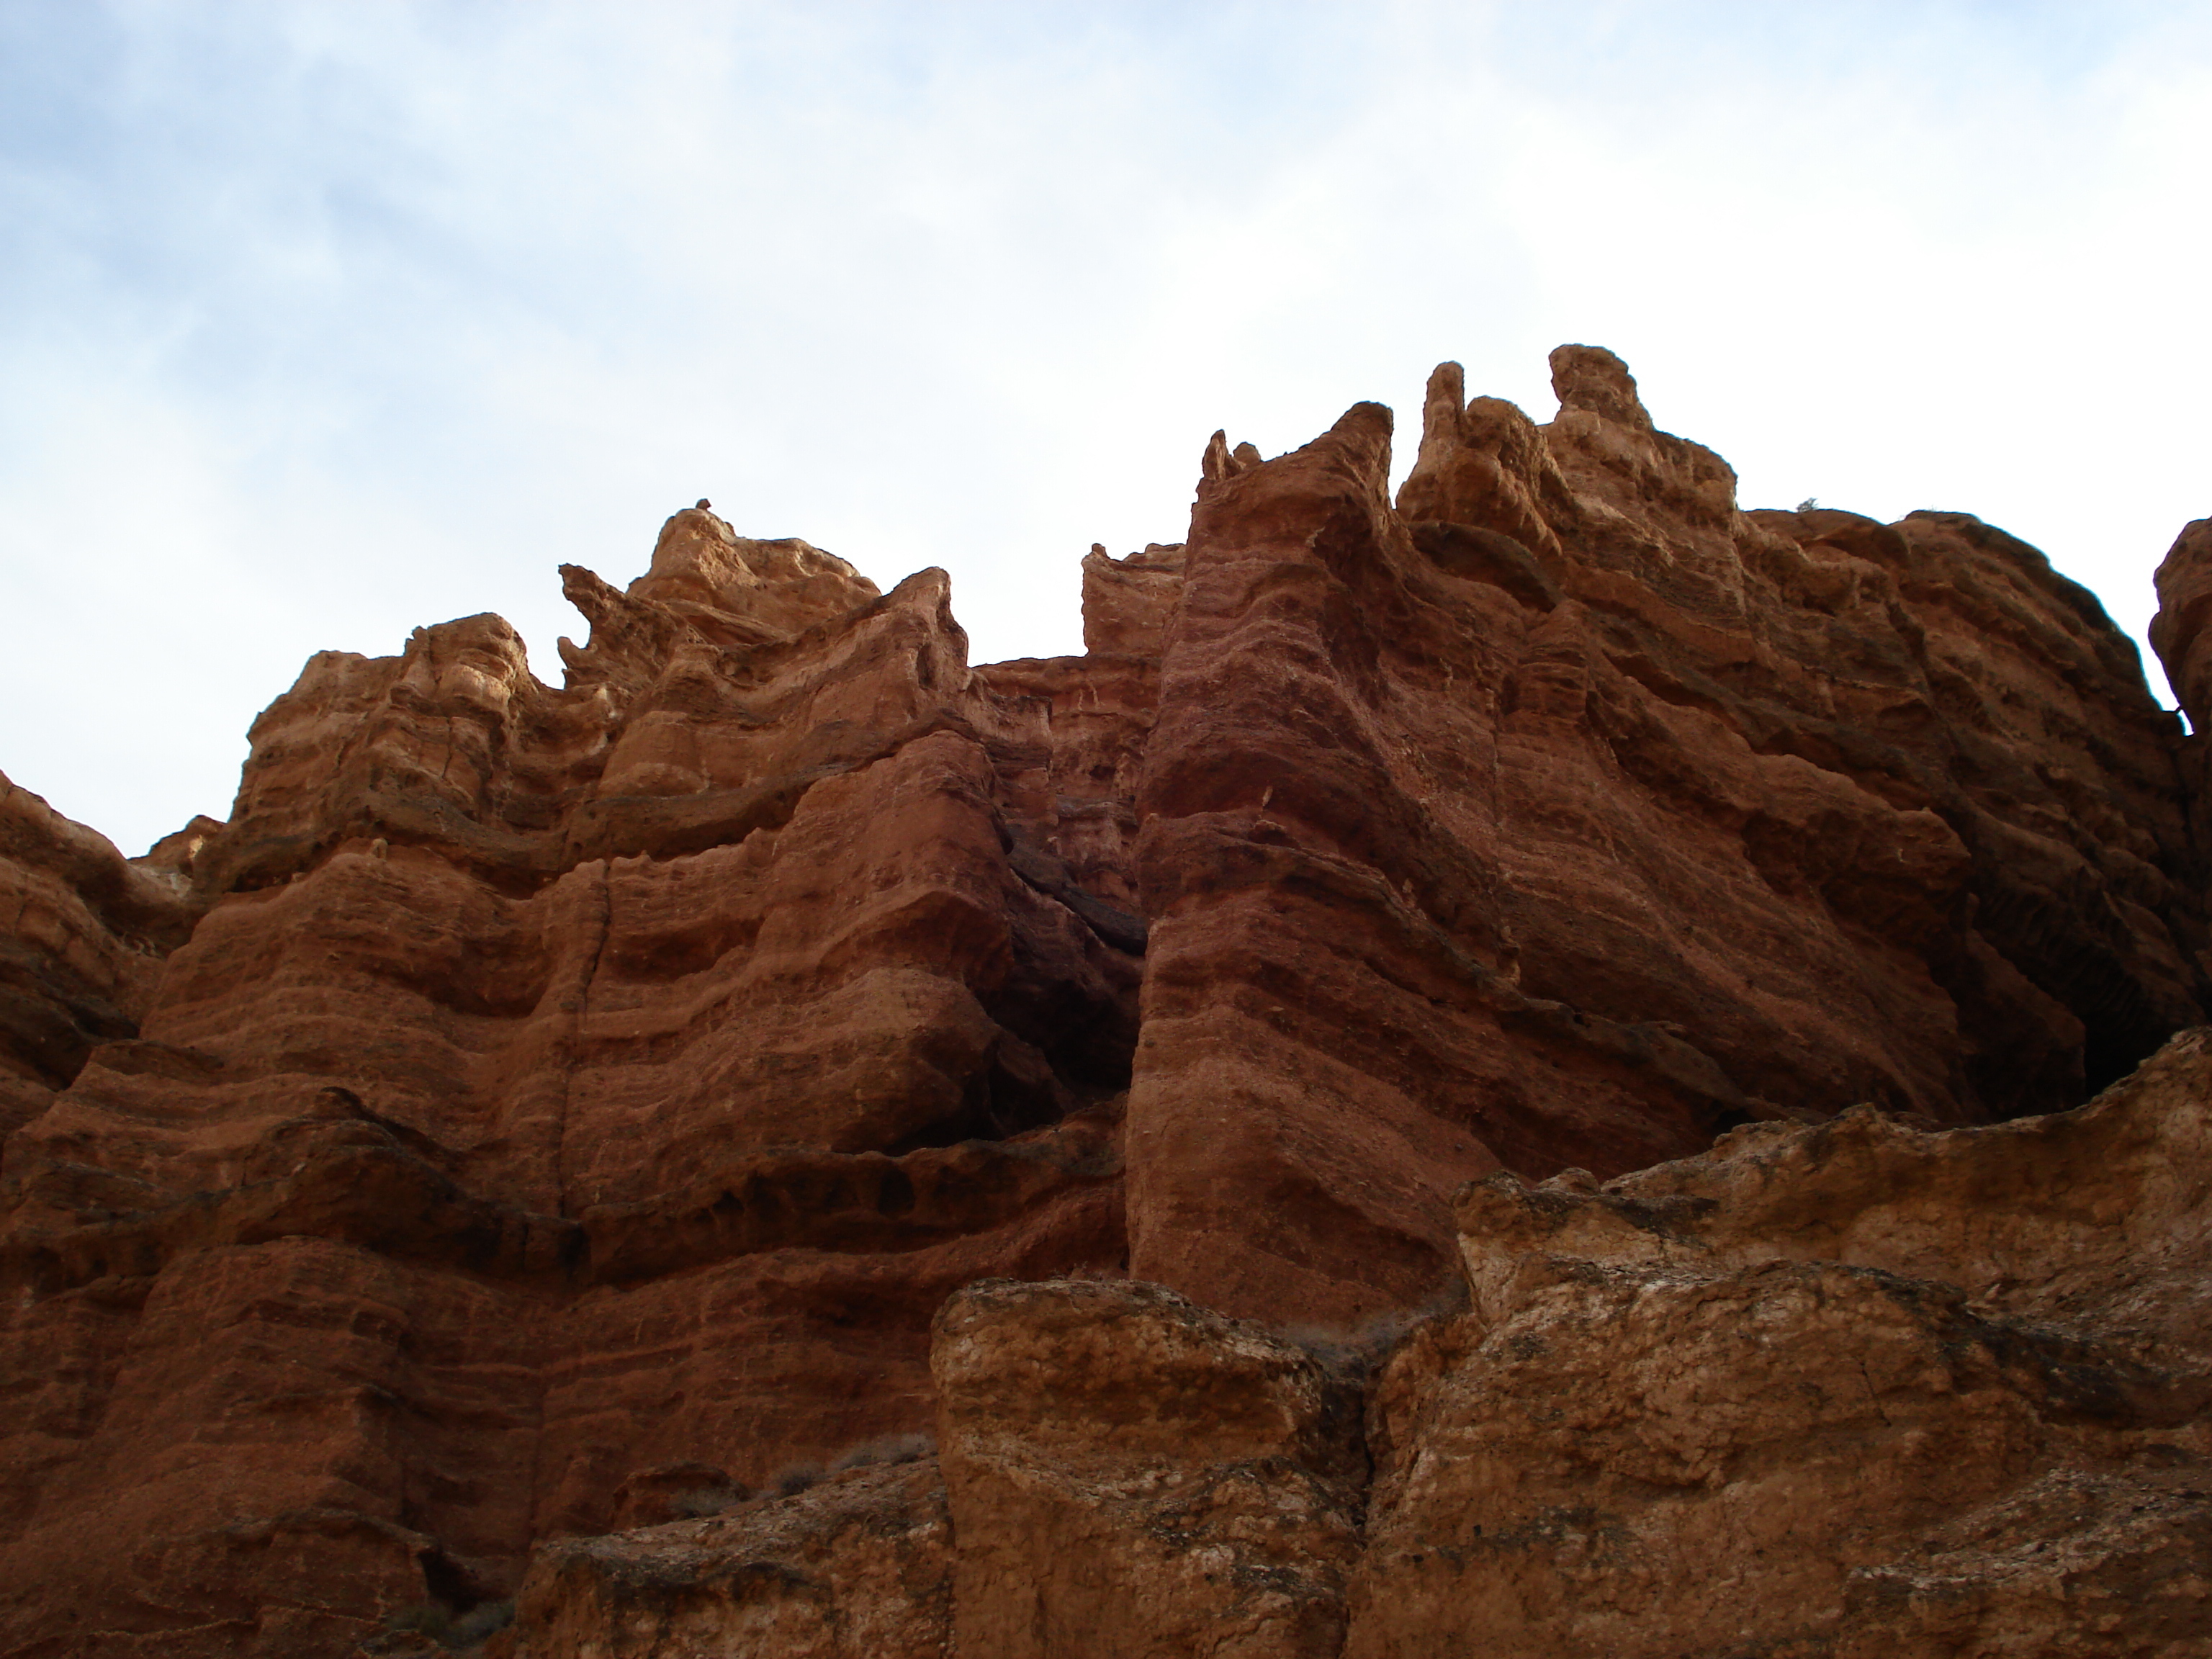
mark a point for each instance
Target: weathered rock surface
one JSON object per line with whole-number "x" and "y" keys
{"x": 1854, "y": 1390}
{"x": 2178, "y": 633}
{"x": 82, "y": 952}
{"x": 857, "y": 1568}
{"x": 1133, "y": 1474}
{"x": 561, "y": 1085}
{"x": 533, "y": 1107}
{"x": 1565, "y": 815}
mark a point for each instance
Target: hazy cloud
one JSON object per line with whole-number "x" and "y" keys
{"x": 318, "y": 322}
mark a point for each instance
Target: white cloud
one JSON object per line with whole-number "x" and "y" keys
{"x": 319, "y": 321}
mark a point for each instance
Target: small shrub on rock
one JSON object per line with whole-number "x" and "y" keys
{"x": 795, "y": 1477}
{"x": 703, "y": 1501}
{"x": 456, "y": 1631}
{"x": 478, "y": 1624}
{"x": 884, "y": 1448}
{"x": 1350, "y": 1353}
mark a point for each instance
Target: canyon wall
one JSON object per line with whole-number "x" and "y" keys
{"x": 541, "y": 1129}
{"x": 1851, "y": 1390}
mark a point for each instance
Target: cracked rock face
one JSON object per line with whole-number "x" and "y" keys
{"x": 540, "y": 1118}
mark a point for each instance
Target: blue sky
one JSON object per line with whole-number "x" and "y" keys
{"x": 321, "y": 321}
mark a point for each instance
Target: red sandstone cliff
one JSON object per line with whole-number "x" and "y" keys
{"x": 539, "y": 1114}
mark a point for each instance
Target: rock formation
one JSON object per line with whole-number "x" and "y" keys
{"x": 1852, "y": 1389}
{"x": 83, "y": 948}
{"x": 541, "y": 1130}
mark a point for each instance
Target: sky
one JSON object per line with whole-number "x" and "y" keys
{"x": 319, "y": 322}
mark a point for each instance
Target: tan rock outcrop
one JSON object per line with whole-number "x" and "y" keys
{"x": 1131, "y": 1475}
{"x": 1851, "y": 1389}
{"x": 857, "y": 1567}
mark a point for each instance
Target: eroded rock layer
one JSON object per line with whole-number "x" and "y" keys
{"x": 538, "y": 1114}
{"x": 82, "y": 952}
{"x": 1847, "y": 1389}
{"x": 1563, "y": 814}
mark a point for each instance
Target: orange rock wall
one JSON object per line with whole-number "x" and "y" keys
{"x": 534, "y": 1105}
{"x": 1565, "y": 815}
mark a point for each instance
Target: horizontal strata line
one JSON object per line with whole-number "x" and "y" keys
{"x": 449, "y": 1227}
